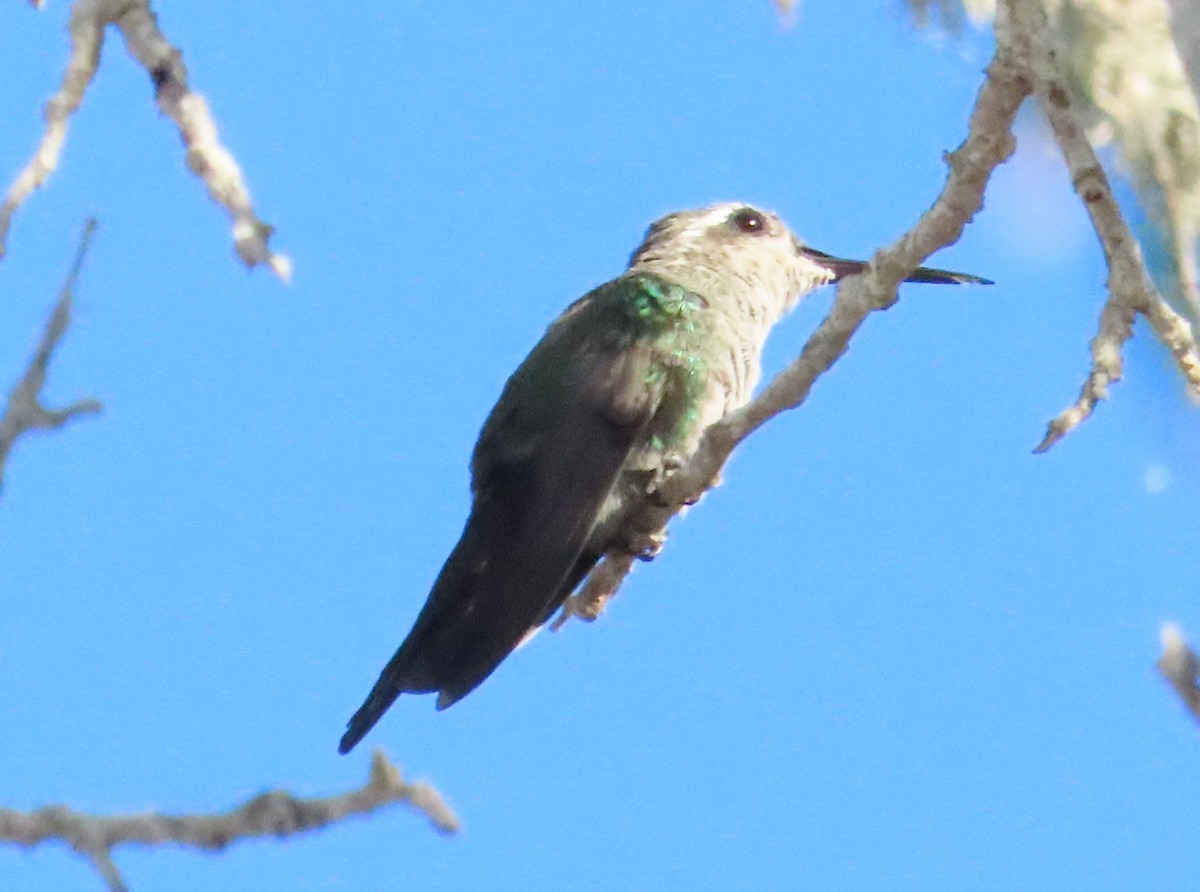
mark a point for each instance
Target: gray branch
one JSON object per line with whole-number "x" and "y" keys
{"x": 206, "y": 155}
{"x": 275, "y": 814}
{"x": 25, "y": 411}
{"x": 1131, "y": 290}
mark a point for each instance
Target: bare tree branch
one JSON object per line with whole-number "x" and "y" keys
{"x": 1180, "y": 667}
{"x": 1130, "y": 288}
{"x": 988, "y": 144}
{"x": 206, "y": 156}
{"x": 81, "y": 67}
{"x": 25, "y": 411}
{"x": 276, "y": 814}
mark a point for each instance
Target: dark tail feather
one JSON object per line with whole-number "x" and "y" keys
{"x": 393, "y": 681}
{"x": 400, "y": 675}
{"x": 382, "y": 696}
{"x": 363, "y": 722}
{"x": 842, "y": 268}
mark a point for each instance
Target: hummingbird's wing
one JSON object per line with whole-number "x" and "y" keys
{"x": 842, "y": 268}
{"x": 544, "y": 466}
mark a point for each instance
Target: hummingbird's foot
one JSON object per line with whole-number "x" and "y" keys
{"x": 671, "y": 462}
{"x": 645, "y": 546}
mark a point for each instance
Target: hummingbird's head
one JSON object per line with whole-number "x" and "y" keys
{"x": 731, "y": 246}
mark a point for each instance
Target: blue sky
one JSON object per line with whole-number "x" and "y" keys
{"x": 895, "y": 650}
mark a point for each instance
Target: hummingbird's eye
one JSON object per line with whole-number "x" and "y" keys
{"x": 749, "y": 221}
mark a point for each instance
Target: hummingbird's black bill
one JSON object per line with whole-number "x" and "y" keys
{"x": 842, "y": 268}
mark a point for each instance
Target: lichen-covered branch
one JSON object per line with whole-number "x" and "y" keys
{"x": 25, "y": 411}
{"x": 1179, "y": 666}
{"x": 81, "y": 67}
{"x": 1130, "y": 288}
{"x": 988, "y": 144}
{"x": 1133, "y": 69}
{"x": 275, "y": 814}
{"x": 206, "y": 156}
{"x": 1129, "y": 85}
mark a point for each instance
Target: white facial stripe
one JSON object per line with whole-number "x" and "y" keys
{"x": 709, "y": 218}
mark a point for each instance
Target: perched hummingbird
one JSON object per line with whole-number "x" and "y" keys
{"x": 617, "y": 393}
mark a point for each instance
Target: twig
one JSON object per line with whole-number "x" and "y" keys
{"x": 276, "y": 814}
{"x": 81, "y": 67}
{"x": 25, "y": 411}
{"x": 988, "y": 144}
{"x": 1179, "y": 666}
{"x": 206, "y": 156}
{"x": 1130, "y": 288}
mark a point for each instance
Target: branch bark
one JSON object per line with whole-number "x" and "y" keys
{"x": 275, "y": 814}
{"x": 25, "y": 411}
{"x": 1131, "y": 291}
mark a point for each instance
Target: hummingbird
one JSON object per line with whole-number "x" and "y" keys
{"x": 614, "y": 397}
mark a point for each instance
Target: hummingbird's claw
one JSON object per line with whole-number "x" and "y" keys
{"x": 655, "y": 497}
{"x": 669, "y": 464}
{"x": 645, "y": 546}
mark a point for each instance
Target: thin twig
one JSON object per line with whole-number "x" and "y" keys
{"x": 275, "y": 814}
{"x": 81, "y": 68}
{"x": 25, "y": 411}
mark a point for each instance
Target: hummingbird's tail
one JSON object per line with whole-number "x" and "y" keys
{"x": 362, "y": 722}
{"x": 398, "y": 677}
{"x": 366, "y": 717}
{"x": 541, "y": 475}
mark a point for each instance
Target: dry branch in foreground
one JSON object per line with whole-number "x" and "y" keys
{"x": 276, "y": 814}
{"x": 206, "y": 156}
{"x": 25, "y": 411}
